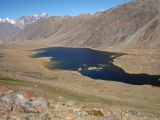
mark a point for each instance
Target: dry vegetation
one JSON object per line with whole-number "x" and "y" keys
{"x": 31, "y": 74}
{"x": 140, "y": 61}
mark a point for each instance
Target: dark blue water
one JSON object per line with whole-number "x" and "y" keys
{"x": 85, "y": 60}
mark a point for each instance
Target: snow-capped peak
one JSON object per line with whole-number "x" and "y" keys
{"x": 7, "y": 20}
{"x": 43, "y": 15}
{"x": 26, "y": 20}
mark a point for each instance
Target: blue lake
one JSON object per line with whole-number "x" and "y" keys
{"x": 94, "y": 64}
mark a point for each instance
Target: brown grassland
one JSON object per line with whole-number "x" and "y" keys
{"x": 19, "y": 70}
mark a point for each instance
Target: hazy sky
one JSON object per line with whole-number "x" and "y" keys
{"x": 17, "y": 8}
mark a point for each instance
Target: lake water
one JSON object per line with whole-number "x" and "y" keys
{"x": 95, "y": 64}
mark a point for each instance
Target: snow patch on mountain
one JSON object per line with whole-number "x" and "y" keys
{"x": 26, "y": 20}
{"x": 7, "y": 20}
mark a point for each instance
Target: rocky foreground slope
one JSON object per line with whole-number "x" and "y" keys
{"x": 23, "y": 105}
{"x": 132, "y": 25}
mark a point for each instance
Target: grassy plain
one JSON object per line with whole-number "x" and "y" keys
{"x": 20, "y": 71}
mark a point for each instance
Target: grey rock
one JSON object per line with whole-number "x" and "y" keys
{"x": 42, "y": 102}
{"x": 27, "y": 107}
{"x": 19, "y": 101}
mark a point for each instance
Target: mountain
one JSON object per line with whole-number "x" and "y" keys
{"x": 148, "y": 36}
{"x": 7, "y": 20}
{"x": 26, "y": 20}
{"x": 132, "y": 25}
{"x": 10, "y": 28}
{"x": 8, "y": 31}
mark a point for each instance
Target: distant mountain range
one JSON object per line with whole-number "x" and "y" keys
{"x": 7, "y": 20}
{"x": 10, "y": 28}
{"x": 25, "y": 20}
{"x": 132, "y": 25}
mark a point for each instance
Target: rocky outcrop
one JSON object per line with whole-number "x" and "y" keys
{"x": 23, "y": 103}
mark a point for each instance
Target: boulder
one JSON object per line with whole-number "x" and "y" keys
{"x": 27, "y": 94}
{"x": 19, "y": 101}
{"x": 40, "y": 101}
{"x": 26, "y": 107}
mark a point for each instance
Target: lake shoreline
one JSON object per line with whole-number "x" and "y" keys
{"x": 116, "y": 95}
{"x": 116, "y": 72}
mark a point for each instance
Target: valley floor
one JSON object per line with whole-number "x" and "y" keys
{"x": 16, "y": 63}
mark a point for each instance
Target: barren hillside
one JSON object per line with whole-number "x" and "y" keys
{"x": 133, "y": 25}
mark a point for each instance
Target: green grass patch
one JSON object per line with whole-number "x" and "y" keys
{"x": 51, "y": 91}
{"x": 42, "y": 89}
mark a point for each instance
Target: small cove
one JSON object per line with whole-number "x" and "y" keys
{"x": 94, "y": 64}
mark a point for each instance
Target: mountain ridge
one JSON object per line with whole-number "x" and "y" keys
{"x": 10, "y": 28}
{"x": 112, "y": 28}
{"x": 7, "y": 20}
{"x": 26, "y": 20}
{"x": 119, "y": 27}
